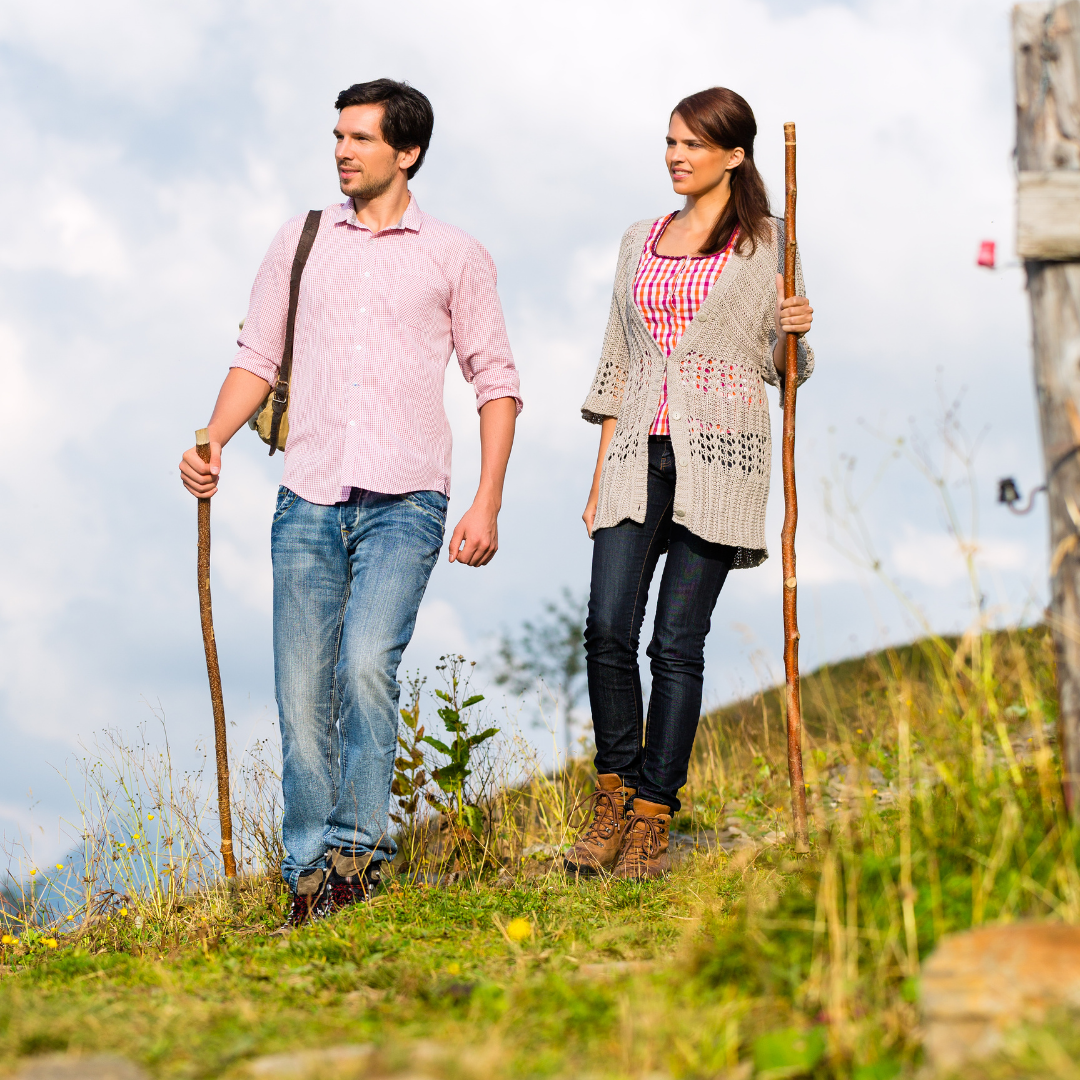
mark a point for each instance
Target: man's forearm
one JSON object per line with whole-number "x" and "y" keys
{"x": 498, "y": 418}
{"x": 241, "y": 394}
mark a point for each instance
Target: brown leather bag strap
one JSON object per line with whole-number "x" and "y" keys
{"x": 280, "y": 400}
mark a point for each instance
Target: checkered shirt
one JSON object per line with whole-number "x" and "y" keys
{"x": 668, "y": 290}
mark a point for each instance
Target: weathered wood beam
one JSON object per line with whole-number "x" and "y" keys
{"x": 1046, "y": 51}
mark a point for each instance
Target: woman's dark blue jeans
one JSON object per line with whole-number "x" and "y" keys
{"x": 624, "y": 558}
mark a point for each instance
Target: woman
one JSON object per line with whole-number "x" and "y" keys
{"x": 698, "y": 325}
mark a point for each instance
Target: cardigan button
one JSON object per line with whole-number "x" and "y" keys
{"x": 680, "y": 513}
{"x": 676, "y": 416}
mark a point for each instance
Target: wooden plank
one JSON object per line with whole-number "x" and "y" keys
{"x": 1046, "y": 57}
{"x": 1048, "y": 215}
{"x": 1046, "y": 53}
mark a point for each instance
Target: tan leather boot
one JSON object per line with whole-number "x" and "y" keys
{"x": 644, "y": 852}
{"x": 598, "y": 845}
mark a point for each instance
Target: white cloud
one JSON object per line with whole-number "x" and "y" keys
{"x": 936, "y": 559}
{"x": 439, "y": 631}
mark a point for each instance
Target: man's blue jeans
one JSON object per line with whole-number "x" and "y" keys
{"x": 348, "y": 580}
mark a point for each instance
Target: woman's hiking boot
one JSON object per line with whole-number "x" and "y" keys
{"x": 597, "y": 848}
{"x": 644, "y": 852}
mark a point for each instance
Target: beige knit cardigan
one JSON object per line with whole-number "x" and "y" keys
{"x": 717, "y": 409}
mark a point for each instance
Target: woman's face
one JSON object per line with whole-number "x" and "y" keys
{"x": 694, "y": 166}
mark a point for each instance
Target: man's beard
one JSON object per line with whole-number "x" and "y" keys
{"x": 372, "y": 187}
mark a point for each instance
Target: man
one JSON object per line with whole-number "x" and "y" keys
{"x": 387, "y": 294}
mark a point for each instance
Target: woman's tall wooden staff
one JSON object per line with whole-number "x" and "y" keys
{"x": 202, "y": 447}
{"x": 791, "y": 517}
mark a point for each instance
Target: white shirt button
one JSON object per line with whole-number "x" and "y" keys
{"x": 674, "y": 415}
{"x": 367, "y": 273}
{"x": 352, "y": 423}
{"x": 362, "y": 310}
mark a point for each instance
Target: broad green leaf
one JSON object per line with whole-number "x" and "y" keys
{"x": 788, "y": 1053}
{"x": 440, "y": 746}
{"x": 885, "y": 1069}
{"x": 472, "y": 700}
{"x": 473, "y": 820}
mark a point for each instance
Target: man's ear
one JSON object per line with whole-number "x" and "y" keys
{"x": 407, "y": 158}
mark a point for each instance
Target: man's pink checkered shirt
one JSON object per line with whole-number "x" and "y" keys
{"x": 378, "y": 318}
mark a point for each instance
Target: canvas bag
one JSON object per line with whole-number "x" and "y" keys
{"x": 271, "y": 419}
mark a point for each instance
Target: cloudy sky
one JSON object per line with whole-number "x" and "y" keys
{"x": 152, "y": 150}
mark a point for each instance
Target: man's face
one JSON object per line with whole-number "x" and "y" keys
{"x": 367, "y": 164}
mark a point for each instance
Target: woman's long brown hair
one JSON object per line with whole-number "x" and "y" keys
{"x": 722, "y": 118}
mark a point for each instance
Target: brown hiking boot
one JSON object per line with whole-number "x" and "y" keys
{"x": 644, "y": 852}
{"x": 597, "y": 848}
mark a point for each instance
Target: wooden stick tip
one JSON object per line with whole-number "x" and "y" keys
{"x": 789, "y": 132}
{"x": 202, "y": 437}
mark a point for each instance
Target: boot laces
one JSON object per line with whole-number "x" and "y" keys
{"x": 640, "y": 843}
{"x": 605, "y": 815}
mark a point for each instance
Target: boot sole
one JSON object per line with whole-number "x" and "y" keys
{"x": 584, "y": 870}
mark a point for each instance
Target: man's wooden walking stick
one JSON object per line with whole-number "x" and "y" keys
{"x": 202, "y": 447}
{"x": 791, "y": 517}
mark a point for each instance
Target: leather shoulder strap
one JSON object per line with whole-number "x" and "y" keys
{"x": 281, "y": 387}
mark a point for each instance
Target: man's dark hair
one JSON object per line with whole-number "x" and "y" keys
{"x": 407, "y": 117}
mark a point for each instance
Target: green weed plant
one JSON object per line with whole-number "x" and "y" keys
{"x": 935, "y": 797}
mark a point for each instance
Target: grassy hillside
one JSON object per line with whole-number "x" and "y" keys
{"x": 935, "y": 806}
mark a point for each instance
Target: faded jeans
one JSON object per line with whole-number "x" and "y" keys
{"x": 348, "y": 580}
{"x": 624, "y": 559}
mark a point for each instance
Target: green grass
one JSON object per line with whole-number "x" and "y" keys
{"x": 790, "y": 966}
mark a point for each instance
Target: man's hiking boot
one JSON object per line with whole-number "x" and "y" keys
{"x": 353, "y": 879}
{"x": 597, "y": 848}
{"x": 644, "y": 852}
{"x": 308, "y": 900}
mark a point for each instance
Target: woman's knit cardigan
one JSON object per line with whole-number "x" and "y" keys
{"x": 719, "y": 416}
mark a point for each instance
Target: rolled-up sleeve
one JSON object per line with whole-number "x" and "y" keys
{"x": 479, "y": 332}
{"x": 262, "y": 338}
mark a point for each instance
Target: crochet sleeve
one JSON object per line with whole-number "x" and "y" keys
{"x": 805, "y": 357}
{"x": 609, "y": 382}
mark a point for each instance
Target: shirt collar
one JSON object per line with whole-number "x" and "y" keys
{"x": 411, "y": 220}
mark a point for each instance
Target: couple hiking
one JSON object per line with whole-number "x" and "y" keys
{"x": 697, "y": 327}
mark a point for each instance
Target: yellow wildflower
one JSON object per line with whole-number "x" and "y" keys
{"x": 59, "y": 866}
{"x": 51, "y": 942}
{"x": 519, "y": 929}
{"x": 149, "y": 817}
{"x": 453, "y": 969}
{"x": 33, "y": 871}
{"x": 7, "y": 939}
{"x": 135, "y": 836}
{"x": 70, "y": 917}
{"x": 123, "y": 911}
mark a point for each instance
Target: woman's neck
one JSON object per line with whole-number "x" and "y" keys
{"x": 693, "y": 224}
{"x": 701, "y": 211}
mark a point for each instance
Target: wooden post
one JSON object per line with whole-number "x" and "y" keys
{"x": 791, "y": 517}
{"x": 1046, "y": 49}
{"x": 206, "y": 612}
